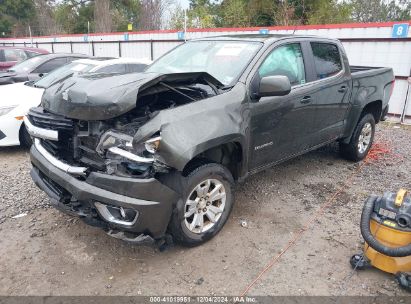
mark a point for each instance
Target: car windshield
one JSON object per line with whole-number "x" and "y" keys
{"x": 26, "y": 65}
{"x": 224, "y": 60}
{"x": 63, "y": 72}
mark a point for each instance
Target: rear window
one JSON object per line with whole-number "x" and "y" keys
{"x": 327, "y": 59}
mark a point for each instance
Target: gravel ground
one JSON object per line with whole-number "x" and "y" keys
{"x": 48, "y": 253}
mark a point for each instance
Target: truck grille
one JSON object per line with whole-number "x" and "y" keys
{"x": 71, "y": 148}
{"x": 63, "y": 148}
{"x": 50, "y": 121}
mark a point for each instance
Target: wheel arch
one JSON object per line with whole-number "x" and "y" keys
{"x": 373, "y": 107}
{"x": 229, "y": 154}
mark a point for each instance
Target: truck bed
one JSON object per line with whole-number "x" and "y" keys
{"x": 365, "y": 71}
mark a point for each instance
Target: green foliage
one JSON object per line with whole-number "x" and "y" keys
{"x": 15, "y": 15}
{"x": 125, "y": 12}
{"x": 177, "y": 18}
{"x": 379, "y": 11}
{"x": 234, "y": 13}
{"x": 72, "y": 16}
{"x": 330, "y": 11}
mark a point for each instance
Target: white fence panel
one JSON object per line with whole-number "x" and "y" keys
{"x": 161, "y": 48}
{"x": 136, "y": 50}
{"x": 82, "y": 48}
{"x": 106, "y": 49}
{"x": 62, "y": 48}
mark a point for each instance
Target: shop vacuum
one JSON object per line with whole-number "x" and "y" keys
{"x": 386, "y": 228}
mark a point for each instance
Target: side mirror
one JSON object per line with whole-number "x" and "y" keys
{"x": 274, "y": 86}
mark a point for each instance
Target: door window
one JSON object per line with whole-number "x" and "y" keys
{"x": 14, "y": 55}
{"x": 327, "y": 59}
{"x": 51, "y": 65}
{"x": 31, "y": 54}
{"x": 115, "y": 68}
{"x": 136, "y": 67}
{"x": 286, "y": 60}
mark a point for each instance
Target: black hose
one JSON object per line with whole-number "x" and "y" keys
{"x": 371, "y": 240}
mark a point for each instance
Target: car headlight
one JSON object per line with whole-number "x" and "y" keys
{"x": 112, "y": 139}
{"x": 5, "y": 110}
{"x": 152, "y": 145}
{"x": 121, "y": 144}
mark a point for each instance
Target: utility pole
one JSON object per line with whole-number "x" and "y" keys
{"x": 88, "y": 38}
{"x": 185, "y": 25}
{"x": 31, "y": 37}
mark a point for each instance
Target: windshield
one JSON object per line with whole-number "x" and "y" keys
{"x": 26, "y": 65}
{"x": 63, "y": 72}
{"x": 224, "y": 60}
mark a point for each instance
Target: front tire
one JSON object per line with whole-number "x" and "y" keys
{"x": 361, "y": 140}
{"x": 205, "y": 207}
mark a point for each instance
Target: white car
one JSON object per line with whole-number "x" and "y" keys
{"x": 16, "y": 99}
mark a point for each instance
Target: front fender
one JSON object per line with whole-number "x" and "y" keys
{"x": 191, "y": 129}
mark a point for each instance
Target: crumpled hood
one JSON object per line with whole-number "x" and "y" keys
{"x": 105, "y": 96}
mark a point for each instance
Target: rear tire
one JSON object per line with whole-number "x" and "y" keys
{"x": 205, "y": 206}
{"x": 25, "y": 139}
{"x": 361, "y": 140}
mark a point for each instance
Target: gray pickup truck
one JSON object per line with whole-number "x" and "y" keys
{"x": 153, "y": 156}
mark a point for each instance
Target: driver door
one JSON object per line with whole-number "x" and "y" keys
{"x": 281, "y": 126}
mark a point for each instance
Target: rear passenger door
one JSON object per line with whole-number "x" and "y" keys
{"x": 333, "y": 83}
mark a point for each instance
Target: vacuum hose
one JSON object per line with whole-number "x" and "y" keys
{"x": 371, "y": 240}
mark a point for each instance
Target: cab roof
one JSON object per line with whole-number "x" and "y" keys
{"x": 265, "y": 38}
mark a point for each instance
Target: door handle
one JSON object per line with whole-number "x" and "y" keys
{"x": 306, "y": 99}
{"x": 343, "y": 89}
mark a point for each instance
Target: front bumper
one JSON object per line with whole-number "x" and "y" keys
{"x": 151, "y": 199}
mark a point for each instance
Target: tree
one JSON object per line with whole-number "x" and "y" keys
{"x": 379, "y": 10}
{"x": 152, "y": 13}
{"x": 74, "y": 16}
{"x": 15, "y": 16}
{"x": 103, "y": 21}
{"x": 235, "y": 13}
{"x": 261, "y": 12}
{"x": 177, "y": 18}
{"x": 45, "y": 22}
{"x": 125, "y": 12}
{"x": 330, "y": 11}
{"x": 202, "y": 14}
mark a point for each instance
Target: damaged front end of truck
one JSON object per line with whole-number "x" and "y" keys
{"x": 105, "y": 148}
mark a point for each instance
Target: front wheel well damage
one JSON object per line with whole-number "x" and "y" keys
{"x": 228, "y": 155}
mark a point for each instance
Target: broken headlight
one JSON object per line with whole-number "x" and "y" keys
{"x": 113, "y": 139}
{"x": 121, "y": 145}
{"x": 153, "y": 144}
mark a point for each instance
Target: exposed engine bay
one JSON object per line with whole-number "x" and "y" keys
{"x": 106, "y": 145}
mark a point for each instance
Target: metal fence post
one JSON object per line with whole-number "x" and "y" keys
{"x": 151, "y": 49}
{"x": 119, "y": 48}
